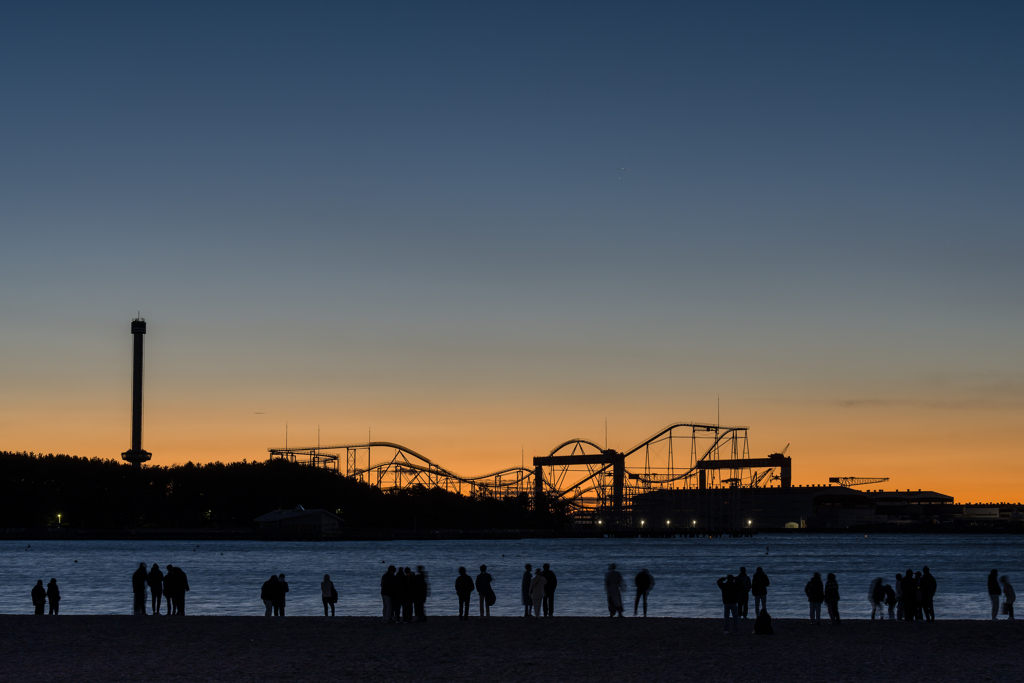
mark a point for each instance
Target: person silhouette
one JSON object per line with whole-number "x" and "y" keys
{"x": 279, "y": 597}
{"x": 549, "y": 590}
{"x": 644, "y": 582}
{"x": 267, "y": 593}
{"x": 155, "y": 581}
{"x": 484, "y": 590}
{"x": 815, "y": 593}
{"x": 759, "y": 589}
{"x": 463, "y": 589}
{"x": 890, "y": 601}
{"x": 730, "y": 606}
{"x": 524, "y": 592}
{"x": 743, "y": 585}
{"x": 39, "y": 596}
{"x": 537, "y": 591}
{"x": 421, "y": 591}
{"x": 139, "y": 589}
{"x": 398, "y": 591}
{"x": 387, "y": 592}
{"x": 909, "y": 591}
{"x": 180, "y": 588}
{"x": 613, "y": 590}
{"x": 994, "y": 592}
{"x": 53, "y": 595}
{"x": 876, "y": 596}
{"x": 1009, "y": 596}
{"x": 832, "y": 598}
{"x": 410, "y": 595}
{"x": 328, "y": 595}
{"x": 928, "y": 588}
{"x": 169, "y": 588}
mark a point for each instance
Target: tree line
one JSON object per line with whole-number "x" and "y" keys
{"x": 99, "y": 494}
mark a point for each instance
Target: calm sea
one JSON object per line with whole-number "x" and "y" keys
{"x": 225, "y": 577}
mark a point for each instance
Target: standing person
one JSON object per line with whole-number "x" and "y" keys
{"x": 919, "y": 598}
{"x": 729, "y": 589}
{"x": 139, "y": 589}
{"x": 928, "y": 588}
{"x": 549, "y": 590}
{"x": 387, "y": 587}
{"x": 463, "y": 589}
{"x": 180, "y": 588}
{"x": 279, "y": 597}
{"x": 832, "y": 598}
{"x": 53, "y": 595}
{"x": 643, "y": 581}
{"x": 899, "y": 597}
{"x": 267, "y": 593}
{"x": 876, "y": 596}
{"x": 759, "y": 589}
{"x": 484, "y": 590}
{"x": 155, "y": 581}
{"x": 525, "y": 590}
{"x": 743, "y": 585}
{"x": 410, "y": 595}
{"x": 815, "y": 593}
{"x": 328, "y": 595}
{"x": 398, "y": 591}
{"x": 39, "y": 596}
{"x": 168, "y": 585}
{"x": 613, "y": 588}
{"x": 421, "y": 591}
{"x": 1009, "y": 597}
{"x": 890, "y": 601}
{"x": 537, "y": 591}
{"x": 994, "y": 592}
{"x": 909, "y": 592}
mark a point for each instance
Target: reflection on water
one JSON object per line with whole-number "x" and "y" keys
{"x": 95, "y": 576}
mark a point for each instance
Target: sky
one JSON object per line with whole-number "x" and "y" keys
{"x": 481, "y": 229}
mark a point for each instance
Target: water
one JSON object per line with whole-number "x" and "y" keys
{"x": 225, "y": 577}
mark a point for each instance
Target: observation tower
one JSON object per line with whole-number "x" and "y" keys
{"x": 136, "y": 456}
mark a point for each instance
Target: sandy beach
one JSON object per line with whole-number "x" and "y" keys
{"x": 253, "y": 649}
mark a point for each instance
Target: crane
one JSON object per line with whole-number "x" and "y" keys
{"x": 857, "y": 481}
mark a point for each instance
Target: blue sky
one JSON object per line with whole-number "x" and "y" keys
{"x": 413, "y": 215}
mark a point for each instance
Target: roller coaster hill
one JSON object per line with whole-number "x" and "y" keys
{"x": 688, "y": 478}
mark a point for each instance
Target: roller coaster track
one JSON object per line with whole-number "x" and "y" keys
{"x": 582, "y": 487}
{"x": 405, "y": 468}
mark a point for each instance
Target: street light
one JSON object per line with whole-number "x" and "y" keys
{"x": 58, "y": 519}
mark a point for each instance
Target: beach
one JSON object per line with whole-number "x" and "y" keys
{"x": 310, "y": 649}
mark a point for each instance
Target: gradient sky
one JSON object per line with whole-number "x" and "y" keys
{"x": 410, "y": 218}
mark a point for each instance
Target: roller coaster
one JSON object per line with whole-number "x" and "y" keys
{"x": 590, "y": 480}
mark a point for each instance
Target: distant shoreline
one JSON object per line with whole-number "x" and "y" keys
{"x": 452, "y": 534}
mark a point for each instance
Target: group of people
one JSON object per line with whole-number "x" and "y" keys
{"x": 41, "y": 594}
{"x": 273, "y": 595}
{"x": 404, "y": 594}
{"x": 538, "y": 591}
{"x": 736, "y": 592}
{"x": 1000, "y": 585}
{"x": 173, "y": 585}
{"x": 614, "y": 583}
{"x": 911, "y": 599}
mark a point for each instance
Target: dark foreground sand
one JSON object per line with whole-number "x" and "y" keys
{"x": 149, "y": 649}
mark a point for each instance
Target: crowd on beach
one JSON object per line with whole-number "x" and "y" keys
{"x": 404, "y": 594}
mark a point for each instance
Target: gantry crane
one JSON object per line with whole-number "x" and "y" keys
{"x": 857, "y": 481}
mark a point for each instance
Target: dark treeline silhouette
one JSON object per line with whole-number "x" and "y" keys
{"x": 98, "y": 494}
